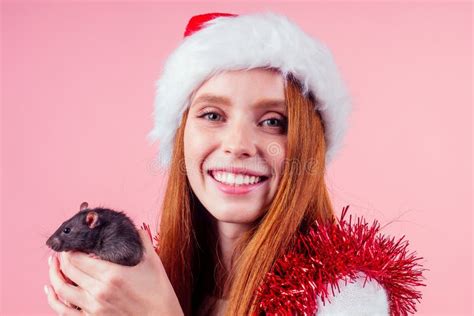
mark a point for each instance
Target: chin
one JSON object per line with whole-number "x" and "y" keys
{"x": 235, "y": 214}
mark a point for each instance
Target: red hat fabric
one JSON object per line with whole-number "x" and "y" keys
{"x": 197, "y": 22}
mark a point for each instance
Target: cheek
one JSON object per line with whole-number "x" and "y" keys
{"x": 197, "y": 136}
{"x": 197, "y": 145}
{"x": 281, "y": 163}
{"x": 275, "y": 153}
{"x": 196, "y": 142}
{"x": 279, "y": 166}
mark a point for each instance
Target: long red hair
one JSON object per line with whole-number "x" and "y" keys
{"x": 188, "y": 239}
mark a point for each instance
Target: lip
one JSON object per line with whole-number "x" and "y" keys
{"x": 236, "y": 190}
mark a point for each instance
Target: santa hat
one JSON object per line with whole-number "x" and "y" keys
{"x": 216, "y": 42}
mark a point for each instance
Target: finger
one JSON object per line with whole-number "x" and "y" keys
{"x": 146, "y": 241}
{"x": 146, "y": 228}
{"x": 76, "y": 275}
{"x": 95, "y": 268}
{"x": 65, "y": 290}
{"x": 59, "y": 307}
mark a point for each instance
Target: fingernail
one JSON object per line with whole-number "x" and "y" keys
{"x": 49, "y": 261}
{"x": 46, "y": 291}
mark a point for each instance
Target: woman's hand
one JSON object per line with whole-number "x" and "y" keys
{"x": 105, "y": 288}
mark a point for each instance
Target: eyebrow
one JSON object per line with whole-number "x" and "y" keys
{"x": 263, "y": 103}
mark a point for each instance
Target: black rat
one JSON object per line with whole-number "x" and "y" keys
{"x": 108, "y": 234}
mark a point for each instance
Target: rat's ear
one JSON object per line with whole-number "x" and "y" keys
{"x": 92, "y": 219}
{"x": 84, "y": 205}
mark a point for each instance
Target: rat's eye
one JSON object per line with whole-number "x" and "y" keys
{"x": 67, "y": 230}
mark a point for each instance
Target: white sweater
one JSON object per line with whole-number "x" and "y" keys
{"x": 355, "y": 299}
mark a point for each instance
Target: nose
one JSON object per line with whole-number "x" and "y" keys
{"x": 53, "y": 242}
{"x": 239, "y": 140}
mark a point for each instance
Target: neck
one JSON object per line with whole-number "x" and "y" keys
{"x": 228, "y": 234}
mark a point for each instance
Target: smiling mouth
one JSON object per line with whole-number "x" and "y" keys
{"x": 237, "y": 180}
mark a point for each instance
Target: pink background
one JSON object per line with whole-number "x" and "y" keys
{"x": 77, "y": 92}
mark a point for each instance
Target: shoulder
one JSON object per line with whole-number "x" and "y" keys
{"x": 366, "y": 271}
{"x": 358, "y": 297}
{"x": 344, "y": 266}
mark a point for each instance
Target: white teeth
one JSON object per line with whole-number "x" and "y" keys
{"x": 247, "y": 179}
{"x": 239, "y": 179}
{"x": 230, "y": 178}
{"x": 234, "y": 179}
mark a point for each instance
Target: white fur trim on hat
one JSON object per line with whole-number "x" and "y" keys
{"x": 246, "y": 42}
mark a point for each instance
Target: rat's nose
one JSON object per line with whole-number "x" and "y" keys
{"x": 53, "y": 243}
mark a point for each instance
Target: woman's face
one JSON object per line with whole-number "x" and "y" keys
{"x": 237, "y": 119}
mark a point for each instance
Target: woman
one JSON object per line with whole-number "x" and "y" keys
{"x": 249, "y": 111}
{"x": 238, "y": 119}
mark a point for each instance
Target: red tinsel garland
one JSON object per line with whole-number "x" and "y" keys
{"x": 329, "y": 253}
{"x": 333, "y": 252}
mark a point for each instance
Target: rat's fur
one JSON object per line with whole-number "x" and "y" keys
{"x": 113, "y": 237}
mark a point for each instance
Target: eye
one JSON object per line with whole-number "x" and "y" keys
{"x": 273, "y": 122}
{"x": 208, "y": 114}
{"x": 276, "y": 122}
{"x": 67, "y": 230}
